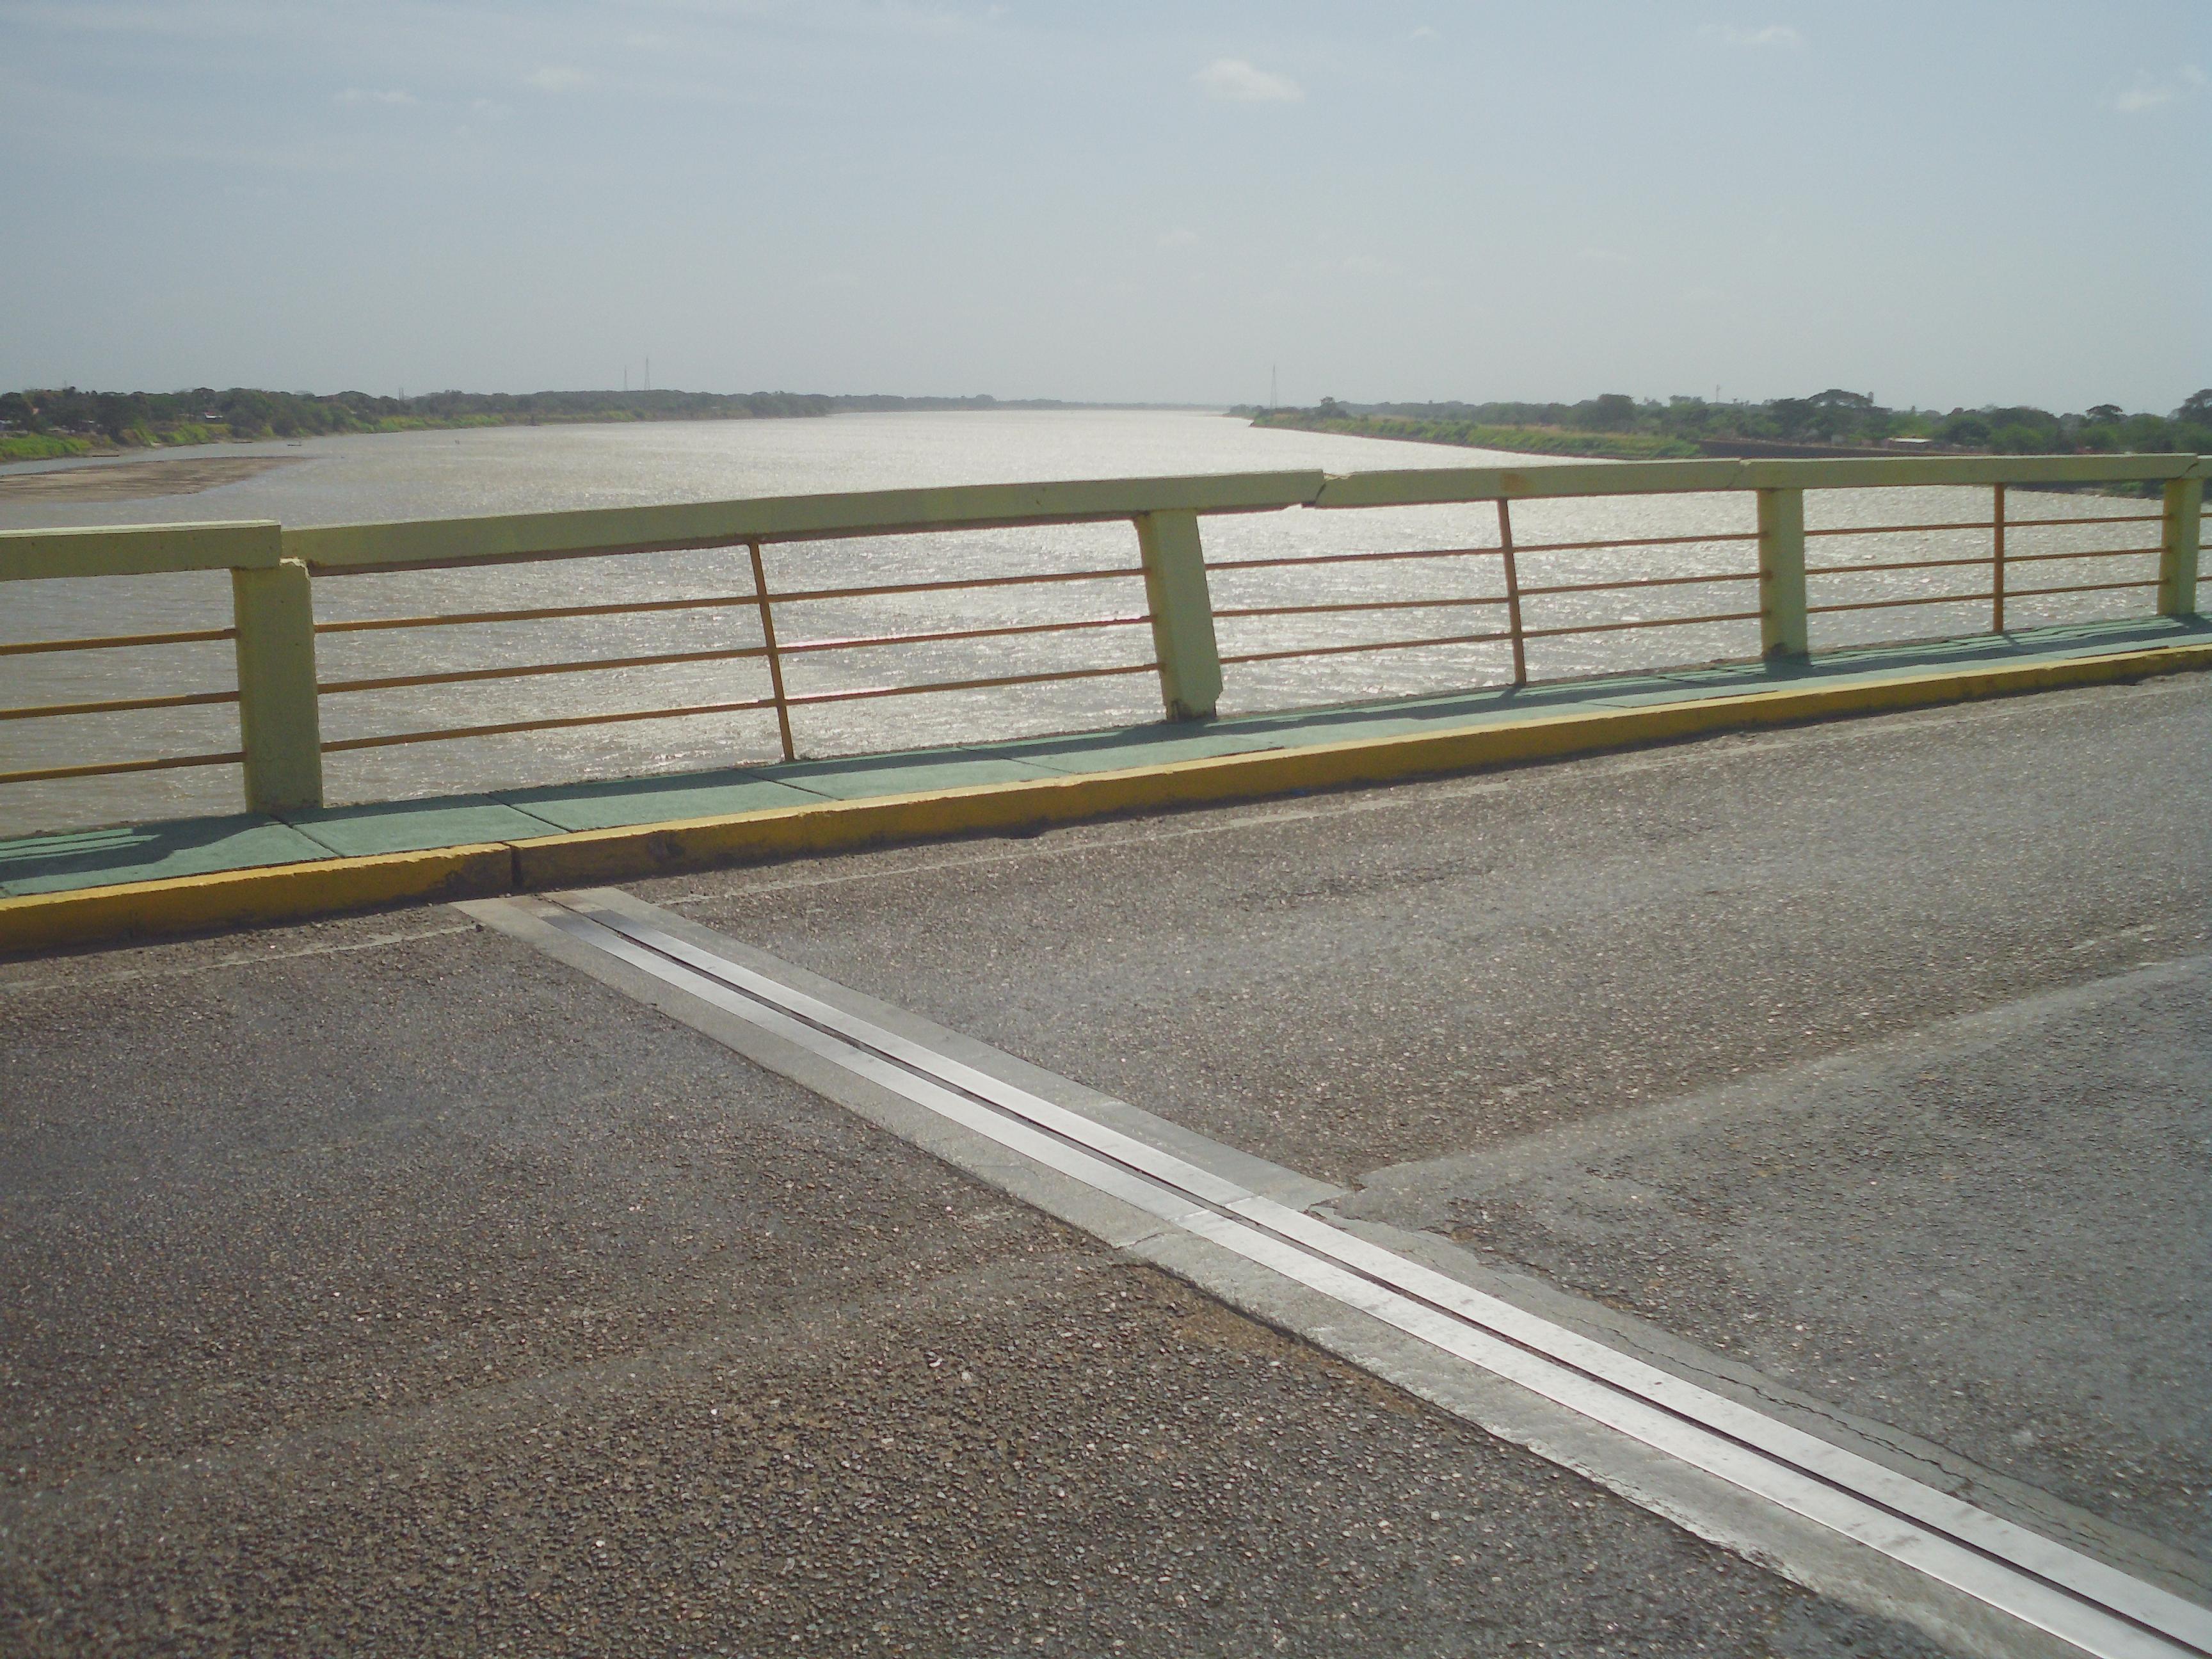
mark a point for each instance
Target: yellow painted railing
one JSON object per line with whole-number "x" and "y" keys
{"x": 274, "y": 570}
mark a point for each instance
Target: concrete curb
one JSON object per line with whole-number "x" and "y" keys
{"x": 241, "y": 898}
{"x": 293, "y": 892}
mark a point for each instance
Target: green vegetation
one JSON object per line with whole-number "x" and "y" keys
{"x": 35, "y": 425}
{"x": 1619, "y": 426}
{"x": 40, "y": 447}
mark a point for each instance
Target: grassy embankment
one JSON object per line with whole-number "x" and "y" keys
{"x": 40, "y": 447}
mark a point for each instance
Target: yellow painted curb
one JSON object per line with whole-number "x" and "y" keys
{"x": 292, "y": 892}
{"x": 672, "y": 849}
{"x": 245, "y": 898}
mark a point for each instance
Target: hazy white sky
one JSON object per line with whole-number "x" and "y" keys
{"x": 1939, "y": 202}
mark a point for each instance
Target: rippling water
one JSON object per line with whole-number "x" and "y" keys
{"x": 426, "y": 475}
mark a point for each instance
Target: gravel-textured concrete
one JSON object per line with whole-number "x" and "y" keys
{"x": 383, "y": 1287}
{"x": 1377, "y": 976}
{"x": 1997, "y": 1232}
{"x": 1380, "y": 978}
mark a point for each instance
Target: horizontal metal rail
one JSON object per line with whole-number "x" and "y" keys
{"x": 1983, "y": 597}
{"x": 116, "y": 705}
{"x": 1501, "y": 637}
{"x": 712, "y": 602}
{"x": 1903, "y": 529}
{"x": 1897, "y": 564}
{"x": 1981, "y": 524}
{"x": 1640, "y": 622}
{"x": 658, "y": 659}
{"x": 1978, "y": 559}
{"x": 505, "y": 727}
{"x": 864, "y": 642}
{"x": 2122, "y": 518}
{"x": 1290, "y": 560}
{"x": 1349, "y": 605}
{"x": 1633, "y": 541}
{"x": 552, "y": 724}
{"x": 868, "y": 692}
{"x": 524, "y": 670}
{"x": 891, "y": 589}
{"x": 117, "y": 641}
{"x": 105, "y": 768}
{"x": 2091, "y": 553}
{"x": 2084, "y": 587}
{"x": 542, "y": 613}
{"x": 1385, "y": 557}
{"x": 1646, "y": 581}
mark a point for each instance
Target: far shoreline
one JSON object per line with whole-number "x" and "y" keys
{"x": 62, "y": 449}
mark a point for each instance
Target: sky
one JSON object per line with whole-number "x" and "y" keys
{"x": 1944, "y": 203}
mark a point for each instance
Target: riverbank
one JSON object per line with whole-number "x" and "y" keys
{"x": 53, "y": 446}
{"x": 60, "y": 425}
{"x": 138, "y": 481}
{"x": 1471, "y": 434}
{"x": 1607, "y": 445}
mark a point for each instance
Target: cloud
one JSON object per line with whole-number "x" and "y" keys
{"x": 1178, "y": 238}
{"x": 2150, "y": 94}
{"x": 1239, "y": 82}
{"x": 556, "y": 77}
{"x": 1424, "y": 33}
{"x": 1774, "y": 34}
{"x": 365, "y": 95}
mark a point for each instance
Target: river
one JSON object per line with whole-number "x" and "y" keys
{"x": 523, "y": 469}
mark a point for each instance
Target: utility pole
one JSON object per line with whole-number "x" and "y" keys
{"x": 1270, "y": 388}
{"x": 649, "y": 371}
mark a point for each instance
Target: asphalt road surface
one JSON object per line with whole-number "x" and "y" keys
{"x": 383, "y": 1285}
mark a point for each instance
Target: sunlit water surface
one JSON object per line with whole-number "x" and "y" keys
{"x": 513, "y": 470}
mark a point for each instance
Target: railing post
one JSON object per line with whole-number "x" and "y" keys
{"x": 1512, "y": 593}
{"x": 774, "y": 658}
{"x": 2176, "y": 563}
{"x": 1782, "y": 629}
{"x": 279, "y": 724}
{"x": 1182, "y": 614}
{"x": 1997, "y": 557}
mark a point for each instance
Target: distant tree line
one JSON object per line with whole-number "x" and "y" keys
{"x": 1618, "y": 424}
{"x": 67, "y": 420}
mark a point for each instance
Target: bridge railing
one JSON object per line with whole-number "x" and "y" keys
{"x": 1766, "y": 578}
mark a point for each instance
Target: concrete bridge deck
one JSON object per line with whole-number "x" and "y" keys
{"x": 385, "y": 1284}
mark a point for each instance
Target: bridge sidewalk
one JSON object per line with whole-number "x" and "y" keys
{"x": 596, "y": 822}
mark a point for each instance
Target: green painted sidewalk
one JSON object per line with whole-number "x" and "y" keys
{"x": 76, "y": 860}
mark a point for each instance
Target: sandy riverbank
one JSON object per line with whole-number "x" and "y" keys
{"x": 131, "y": 481}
